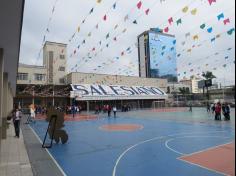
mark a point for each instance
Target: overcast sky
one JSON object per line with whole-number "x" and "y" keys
{"x": 68, "y": 15}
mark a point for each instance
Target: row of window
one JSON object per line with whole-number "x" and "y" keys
{"x": 25, "y": 77}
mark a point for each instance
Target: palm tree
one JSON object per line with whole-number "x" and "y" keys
{"x": 208, "y": 77}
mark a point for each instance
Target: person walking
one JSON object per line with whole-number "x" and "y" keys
{"x": 16, "y": 122}
{"x": 218, "y": 111}
{"x": 208, "y": 108}
{"x": 190, "y": 107}
{"x": 32, "y": 114}
{"x": 226, "y": 111}
{"x": 114, "y": 111}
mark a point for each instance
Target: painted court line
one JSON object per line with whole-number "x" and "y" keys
{"x": 175, "y": 151}
{"x": 59, "y": 167}
{"x": 153, "y": 139}
{"x": 130, "y": 148}
{"x": 208, "y": 149}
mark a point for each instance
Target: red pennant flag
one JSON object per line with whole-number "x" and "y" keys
{"x": 122, "y": 54}
{"x": 139, "y": 5}
{"x": 115, "y": 39}
{"x": 74, "y": 51}
{"x": 105, "y": 18}
{"x": 226, "y": 21}
{"x": 93, "y": 49}
{"x": 166, "y": 30}
{"x": 170, "y": 20}
{"x": 211, "y": 1}
{"x": 147, "y": 11}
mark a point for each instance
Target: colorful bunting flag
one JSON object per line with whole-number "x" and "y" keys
{"x": 105, "y": 17}
{"x": 203, "y": 26}
{"x": 185, "y": 9}
{"x": 147, "y": 11}
{"x": 114, "y": 5}
{"x": 91, "y": 11}
{"x": 139, "y": 5}
{"x": 194, "y": 11}
{"x": 231, "y": 31}
{"x": 220, "y": 16}
{"x": 166, "y": 30}
{"x": 179, "y": 21}
{"x": 170, "y": 20}
{"x": 211, "y": 1}
{"x": 226, "y": 21}
{"x": 209, "y": 30}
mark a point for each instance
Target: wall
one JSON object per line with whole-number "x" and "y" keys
{"x": 31, "y": 70}
{"x": 84, "y": 78}
{"x": 53, "y": 62}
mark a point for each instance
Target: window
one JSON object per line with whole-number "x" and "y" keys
{"x": 62, "y": 81}
{"x": 51, "y": 55}
{"x": 39, "y": 77}
{"x": 22, "y": 76}
{"x": 62, "y": 56}
{"x": 62, "y": 69}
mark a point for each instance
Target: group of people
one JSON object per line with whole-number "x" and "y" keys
{"x": 106, "y": 109}
{"x": 218, "y": 109}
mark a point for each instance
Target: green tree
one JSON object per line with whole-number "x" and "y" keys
{"x": 208, "y": 75}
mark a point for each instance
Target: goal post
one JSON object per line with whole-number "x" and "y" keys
{"x": 159, "y": 104}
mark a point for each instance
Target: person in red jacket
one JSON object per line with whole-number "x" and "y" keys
{"x": 218, "y": 111}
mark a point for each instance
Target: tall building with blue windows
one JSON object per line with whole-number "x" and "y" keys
{"x": 157, "y": 55}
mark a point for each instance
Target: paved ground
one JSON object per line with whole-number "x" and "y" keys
{"x": 152, "y": 145}
{"x": 14, "y": 160}
{"x": 136, "y": 143}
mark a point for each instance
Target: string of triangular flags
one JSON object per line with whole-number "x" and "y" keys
{"x": 84, "y": 20}
{"x": 184, "y": 10}
{"x": 47, "y": 30}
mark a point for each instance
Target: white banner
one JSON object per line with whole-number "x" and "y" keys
{"x": 115, "y": 92}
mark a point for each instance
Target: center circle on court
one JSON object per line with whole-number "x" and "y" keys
{"x": 122, "y": 127}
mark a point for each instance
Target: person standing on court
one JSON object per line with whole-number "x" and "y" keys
{"x": 16, "y": 121}
{"x": 218, "y": 111}
{"x": 109, "y": 110}
{"x": 114, "y": 111}
{"x": 190, "y": 107}
{"x": 32, "y": 113}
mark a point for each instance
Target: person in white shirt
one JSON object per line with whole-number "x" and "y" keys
{"x": 114, "y": 111}
{"x": 32, "y": 114}
{"x": 16, "y": 122}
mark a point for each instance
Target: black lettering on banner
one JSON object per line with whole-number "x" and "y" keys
{"x": 141, "y": 91}
{"x": 80, "y": 88}
{"x": 158, "y": 91}
{"x": 103, "y": 91}
{"x": 151, "y": 91}
{"x": 134, "y": 90}
{"x": 95, "y": 91}
{"x": 113, "y": 88}
{"x": 127, "y": 90}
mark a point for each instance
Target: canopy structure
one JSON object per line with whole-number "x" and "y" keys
{"x": 86, "y": 92}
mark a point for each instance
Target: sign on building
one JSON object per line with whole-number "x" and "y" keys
{"x": 116, "y": 92}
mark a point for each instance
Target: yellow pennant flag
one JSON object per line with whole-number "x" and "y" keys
{"x": 99, "y": 1}
{"x": 185, "y": 9}
{"x": 78, "y": 29}
{"x": 196, "y": 37}
{"x": 194, "y": 11}
{"x": 89, "y": 34}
